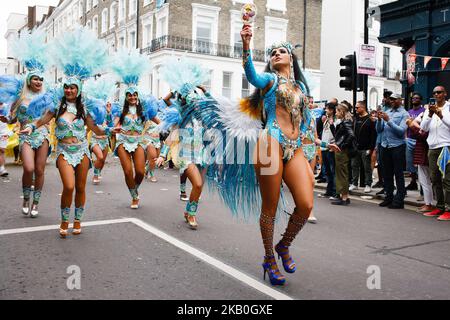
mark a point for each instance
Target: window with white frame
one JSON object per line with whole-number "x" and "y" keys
{"x": 94, "y": 3}
{"x": 132, "y": 8}
{"x": 147, "y": 34}
{"x": 121, "y": 10}
{"x": 241, "y": 1}
{"x": 89, "y": 24}
{"x": 162, "y": 22}
{"x": 121, "y": 41}
{"x": 205, "y": 26}
{"x": 208, "y": 83}
{"x": 226, "y": 84}
{"x": 112, "y": 15}
{"x": 88, "y": 5}
{"x": 278, "y": 5}
{"x": 80, "y": 9}
{"x": 95, "y": 25}
{"x": 75, "y": 13}
{"x": 245, "y": 87}
{"x": 132, "y": 39}
{"x": 276, "y": 30}
{"x": 104, "y": 20}
{"x": 235, "y": 33}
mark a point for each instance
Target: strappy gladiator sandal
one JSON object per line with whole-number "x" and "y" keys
{"x": 63, "y": 229}
{"x": 76, "y": 228}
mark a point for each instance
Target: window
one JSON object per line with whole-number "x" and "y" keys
{"x": 208, "y": 83}
{"x": 88, "y": 24}
{"x": 133, "y": 8}
{"x": 147, "y": 35}
{"x": 88, "y": 5}
{"x": 104, "y": 20}
{"x": 95, "y": 25}
{"x": 162, "y": 22}
{"x": 80, "y": 9}
{"x": 386, "y": 59}
{"x": 226, "y": 86}
{"x": 132, "y": 39}
{"x": 278, "y": 5}
{"x": 94, "y": 3}
{"x": 276, "y": 30}
{"x": 205, "y": 27}
{"x": 112, "y": 15}
{"x": 245, "y": 87}
{"x": 121, "y": 42}
{"x": 121, "y": 10}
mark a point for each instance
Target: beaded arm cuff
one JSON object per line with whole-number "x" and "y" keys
{"x": 164, "y": 151}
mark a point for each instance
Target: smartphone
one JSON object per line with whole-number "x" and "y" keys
{"x": 432, "y": 102}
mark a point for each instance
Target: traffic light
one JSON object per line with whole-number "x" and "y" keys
{"x": 348, "y": 72}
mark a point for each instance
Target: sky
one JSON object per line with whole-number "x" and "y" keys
{"x": 16, "y": 6}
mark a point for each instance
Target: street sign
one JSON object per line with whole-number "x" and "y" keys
{"x": 367, "y": 60}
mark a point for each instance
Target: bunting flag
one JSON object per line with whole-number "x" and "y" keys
{"x": 444, "y": 62}
{"x": 427, "y": 59}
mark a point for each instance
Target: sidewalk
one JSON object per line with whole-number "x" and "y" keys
{"x": 412, "y": 197}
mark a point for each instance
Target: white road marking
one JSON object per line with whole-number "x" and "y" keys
{"x": 240, "y": 276}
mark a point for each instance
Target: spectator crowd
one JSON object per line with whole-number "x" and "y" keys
{"x": 394, "y": 143}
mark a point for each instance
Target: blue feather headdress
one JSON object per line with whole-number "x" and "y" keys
{"x": 102, "y": 88}
{"x": 80, "y": 54}
{"x": 31, "y": 50}
{"x": 130, "y": 66}
{"x": 183, "y": 75}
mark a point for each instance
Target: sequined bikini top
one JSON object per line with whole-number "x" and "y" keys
{"x": 286, "y": 97}
{"x": 131, "y": 124}
{"x": 65, "y": 129}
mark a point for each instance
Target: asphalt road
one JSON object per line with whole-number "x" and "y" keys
{"x": 152, "y": 254}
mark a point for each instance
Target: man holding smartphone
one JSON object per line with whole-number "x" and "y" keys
{"x": 437, "y": 123}
{"x": 392, "y": 125}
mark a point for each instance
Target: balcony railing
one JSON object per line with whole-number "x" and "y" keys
{"x": 202, "y": 47}
{"x": 389, "y": 74}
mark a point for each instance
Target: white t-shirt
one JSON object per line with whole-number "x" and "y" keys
{"x": 438, "y": 129}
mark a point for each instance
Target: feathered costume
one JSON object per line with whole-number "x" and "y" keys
{"x": 16, "y": 95}
{"x": 130, "y": 66}
{"x": 232, "y": 131}
{"x": 80, "y": 55}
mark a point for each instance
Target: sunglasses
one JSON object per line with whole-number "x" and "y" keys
{"x": 438, "y": 92}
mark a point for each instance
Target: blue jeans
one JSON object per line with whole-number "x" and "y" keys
{"x": 329, "y": 169}
{"x": 394, "y": 166}
{"x": 410, "y": 146}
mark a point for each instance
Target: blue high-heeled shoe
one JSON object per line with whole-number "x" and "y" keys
{"x": 276, "y": 278}
{"x": 288, "y": 263}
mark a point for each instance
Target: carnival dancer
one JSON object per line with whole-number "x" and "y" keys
{"x": 102, "y": 88}
{"x": 153, "y": 149}
{"x": 81, "y": 55}
{"x": 31, "y": 50}
{"x": 280, "y": 107}
{"x": 130, "y": 120}
{"x": 185, "y": 141}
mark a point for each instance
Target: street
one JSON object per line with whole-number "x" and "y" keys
{"x": 151, "y": 253}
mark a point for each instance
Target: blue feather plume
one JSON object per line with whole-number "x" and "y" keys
{"x": 96, "y": 109}
{"x": 169, "y": 117}
{"x": 32, "y": 50}
{"x": 116, "y": 109}
{"x": 43, "y": 103}
{"x": 130, "y": 66}
{"x": 183, "y": 74}
{"x": 10, "y": 89}
{"x": 150, "y": 106}
{"x": 80, "y": 53}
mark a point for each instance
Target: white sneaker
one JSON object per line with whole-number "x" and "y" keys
{"x": 352, "y": 188}
{"x": 312, "y": 220}
{"x": 368, "y": 189}
{"x": 4, "y": 173}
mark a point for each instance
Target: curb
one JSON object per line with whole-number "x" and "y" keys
{"x": 417, "y": 204}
